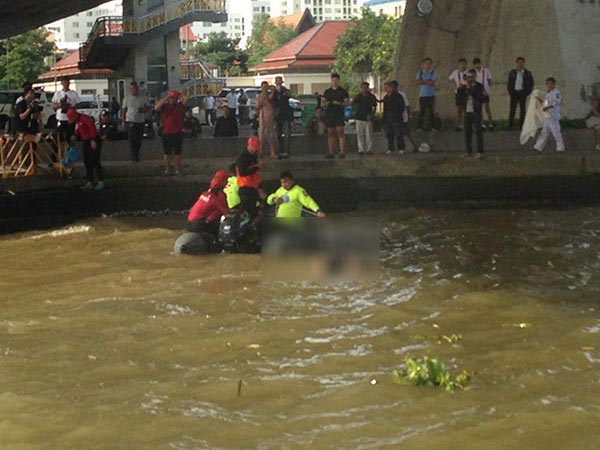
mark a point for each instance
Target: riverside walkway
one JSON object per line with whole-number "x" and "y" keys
{"x": 507, "y": 173}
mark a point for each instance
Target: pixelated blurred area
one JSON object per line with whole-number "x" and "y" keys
{"x": 321, "y": 250}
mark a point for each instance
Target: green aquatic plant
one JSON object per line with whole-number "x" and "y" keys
{"x": 430, "y": 372}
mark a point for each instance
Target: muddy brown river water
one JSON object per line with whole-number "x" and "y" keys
{"x": 108, "y": 341}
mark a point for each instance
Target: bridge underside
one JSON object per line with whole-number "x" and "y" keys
{"x": 22, "y": 15}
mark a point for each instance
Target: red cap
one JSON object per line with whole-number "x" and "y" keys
{"x": 72, "y": 115}
{"x": 174, "y": 94}
{"x": 254, "y": 144}
{"x": 219, "y": 180}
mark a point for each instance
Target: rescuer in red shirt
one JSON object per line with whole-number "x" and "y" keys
{"x": 248, "y": 177}
{"x": 85, "y": 129}
{"x": 206, "y": 213}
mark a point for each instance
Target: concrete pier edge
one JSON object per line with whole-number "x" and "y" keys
{"x": 505, "y": 175}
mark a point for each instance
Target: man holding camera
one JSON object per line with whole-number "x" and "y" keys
{"x": 27, "y": 113}
{"x": 61, "y": 102}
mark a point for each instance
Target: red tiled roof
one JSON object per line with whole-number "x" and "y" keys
{"x": 300, "y": 21}
{"x": 293, "y": 20}
{"x": 69, "y": 67}
{"x": 313, "y": 62}
{"x": 187, "y": 34}
{"x": 313, "y": 48}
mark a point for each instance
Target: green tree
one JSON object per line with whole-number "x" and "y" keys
{"x": 367, "y": 48}
{"x": 267, "y": 36}
{"x": 223, "y": 52}
{"x": 23, "y": 58}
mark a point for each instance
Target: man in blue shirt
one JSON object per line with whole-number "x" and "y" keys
{"x": 426, "y": 79}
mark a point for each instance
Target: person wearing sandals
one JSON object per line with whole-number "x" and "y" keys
{"x": 335, "y": 99}
{"x": 172, "y": 110}
{"x": 266, "y": 121}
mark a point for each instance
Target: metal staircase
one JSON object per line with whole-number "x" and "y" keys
{"x": 112, "y": 37}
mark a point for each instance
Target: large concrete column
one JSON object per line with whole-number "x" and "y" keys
{"x": 173, "y": 45}
{"x": 498, "y": 31}
{"x": 579, "y": 36}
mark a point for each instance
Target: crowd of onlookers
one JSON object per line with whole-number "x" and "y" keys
{"x": 274, "y": 115}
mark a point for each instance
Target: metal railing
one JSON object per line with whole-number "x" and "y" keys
{"x": 27, "y": 155}
{"x": 198, "y": 86}
{"x": 114, "y": 26}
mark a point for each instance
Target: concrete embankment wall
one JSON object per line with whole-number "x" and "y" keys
{"x": 506, "y": 174}
{"x": 503, "y": 142}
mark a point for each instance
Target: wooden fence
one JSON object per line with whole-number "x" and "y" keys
{"x": 28, "y": 155}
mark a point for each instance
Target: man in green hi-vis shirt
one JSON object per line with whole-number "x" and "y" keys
{"x": 291, "y": 198}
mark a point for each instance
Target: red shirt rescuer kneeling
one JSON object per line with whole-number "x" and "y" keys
{"x": 206, "y": 213}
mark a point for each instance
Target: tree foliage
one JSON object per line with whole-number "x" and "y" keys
{"x": 267, "y": 36}
{"x": 223, "y": 52}
{"x": 26, "y": 56}
{"x": 367, "y": 48}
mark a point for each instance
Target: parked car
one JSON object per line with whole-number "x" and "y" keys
{"x": 251, "y": 92}
{"x": 196, "y": 103}
{"x": 92, "y": 105}
{"x": 297, "y": 107}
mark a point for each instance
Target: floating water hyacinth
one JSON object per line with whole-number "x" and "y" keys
{"x": 430, "y": 372}
{"x": 440, "y": 339}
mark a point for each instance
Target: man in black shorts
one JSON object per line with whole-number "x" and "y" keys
{"x": 335, "y": 99}
{"x": 172, "y": 110}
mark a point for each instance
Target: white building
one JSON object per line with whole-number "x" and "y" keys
{"x": 240, "y": 14}
{"x": 321, "y": 9}
{"x": 261, "y": 7}
{"x": 392, "y": 8}
{"x": 71, "y": 31}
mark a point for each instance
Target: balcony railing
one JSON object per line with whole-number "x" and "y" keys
{"x": 114, "y": 26}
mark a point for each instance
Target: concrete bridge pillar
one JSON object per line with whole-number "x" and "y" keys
{"x": 558, "y": 38}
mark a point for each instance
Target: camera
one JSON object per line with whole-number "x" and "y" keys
{"x": 35, "y": 107}
{"x": 64, "y": 104}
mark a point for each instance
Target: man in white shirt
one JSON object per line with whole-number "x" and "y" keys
{"x": 135, "y": 107}
{"x": 520, "y": 85}
{"x": 406, "y": 131}
{"x": 484, "y": 76}
{"x": 209, "y": 109}
{"x": 458, "y": 77}
{"x": 61, "y": 102}
{"x": 232, "y": 101}
{"x": 551, "y": 106}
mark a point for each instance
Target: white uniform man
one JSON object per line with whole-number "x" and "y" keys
{"x": 552, "y": 122}
{"x": 458, "y": 77}
{"x": 484, "y": 76}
